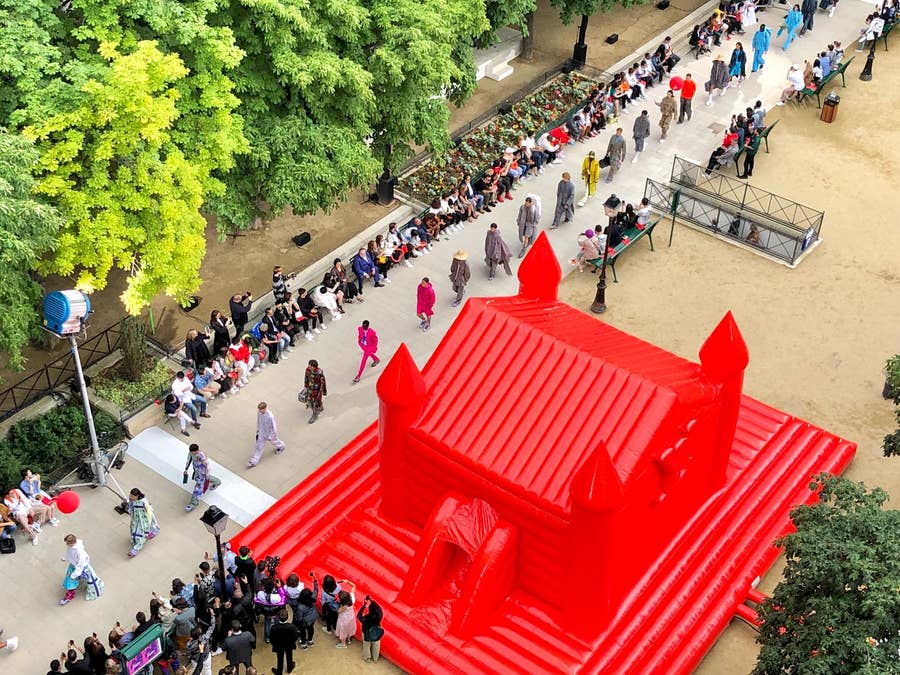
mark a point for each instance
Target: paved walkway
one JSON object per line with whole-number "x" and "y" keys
{"x": 228, "y": 436}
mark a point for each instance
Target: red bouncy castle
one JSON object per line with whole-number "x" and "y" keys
{"x": 552, "y": 495}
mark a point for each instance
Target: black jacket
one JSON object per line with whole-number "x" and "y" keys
{"x": 371, "y": 618}
{"x": 239, "y": 311}
{"x": 197, "y": 351}
{"x": 283, "y": 636}
{"x": 239, "y": 648}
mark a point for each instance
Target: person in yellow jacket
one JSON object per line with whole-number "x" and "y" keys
{"x": 590, "y": 174}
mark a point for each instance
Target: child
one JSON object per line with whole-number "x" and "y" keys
{"x": 346, "y": 622}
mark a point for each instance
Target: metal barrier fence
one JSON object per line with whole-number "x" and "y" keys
{"x": 737, "y": 210}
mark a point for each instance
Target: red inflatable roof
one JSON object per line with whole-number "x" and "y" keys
{"x": 552, "y": 495}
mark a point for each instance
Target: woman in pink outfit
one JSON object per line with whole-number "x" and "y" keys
{"x": 346, "y": 621}
{"x": 367, "y": 340}
{"x": 425, "y": 303}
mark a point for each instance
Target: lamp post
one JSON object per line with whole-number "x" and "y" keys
{"x": 866, "y": 73}
{"x": 216, "y": 520}
{"x": 579, "y": 53}
{"x": 610, "y": 208}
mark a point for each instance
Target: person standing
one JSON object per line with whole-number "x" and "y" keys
{"x": 718, "y": 78}
{"x": 283, "y": 637}
{"x": 203, "y": 479}
{"x": 218, "y": 324}
{"x": 425, "y": 300}
{"x": 565, "y": 201}
{"x": 370, "y": 616}
{"x": 688, "y": 89}
{"x": 792, "y": 23}
{"x": 367, "y": 339}
{"x": 808, "y": 11}
{"x": 240, "y": 310}
{"x": 667, "y": 110}
{"x": 762, "y": 38}
{"x": 496, "y": 251}
{"x": 615, "y": 152}
{"x": 279, "y": 283}
{"x": 79, "y": 569}
{"x": 266, "y": 432}
{"x": 459, "y": 275}
{"x": 737, "y": 65}
{"x": 143, "y": 521}
{"x": 590, "y": 174}
{"x": 640, "y": 131}
{"x": 750, "y": 149}
{"x": 527, "y": 220}
{"x": 316, "y": 388}
{"x": 239, "y": 647}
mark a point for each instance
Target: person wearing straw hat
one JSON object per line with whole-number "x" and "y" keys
{"x": 459, "y": 275}
{"x": 719, "y": 79}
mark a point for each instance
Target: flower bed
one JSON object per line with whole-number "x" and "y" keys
{"x": 545, "y": 108}
{"x": 111, "y": 385}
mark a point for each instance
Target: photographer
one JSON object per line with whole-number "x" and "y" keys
{"x": 270, "y": 601}
{"x": 306, "y": 614}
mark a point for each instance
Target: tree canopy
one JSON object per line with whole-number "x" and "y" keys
{"x": 838, "y": 608}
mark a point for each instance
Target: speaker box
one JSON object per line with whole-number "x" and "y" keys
{"x": 612, "y": 39}
{"x": 8, "y": 545}
{"x": 301, "y": 239}
{"x": 663, "y": 4}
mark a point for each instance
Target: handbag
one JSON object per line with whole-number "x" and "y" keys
{"x": 303, "y": 396}
{"x": 605, "y": 162}
{"x": 373, "y": 634}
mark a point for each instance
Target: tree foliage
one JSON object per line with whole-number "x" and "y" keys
{"x": 838, "y": 608}
{"x": 28, "y": 230}
{"x": 502, "y": 13}
{"x": 568, "y": 9}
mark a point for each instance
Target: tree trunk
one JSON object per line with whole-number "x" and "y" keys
{"x": 528, "y": 40}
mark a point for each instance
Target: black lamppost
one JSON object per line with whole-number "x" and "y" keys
{"x": 579, "y": 53}
{"x": 216, "y": 520}
{"x": 611, "y": 209}
{"x": 866, "y": 73}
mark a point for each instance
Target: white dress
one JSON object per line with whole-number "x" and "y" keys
{"x": 748, "y": 18}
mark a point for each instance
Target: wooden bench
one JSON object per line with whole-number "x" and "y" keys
{"x": 633, "y": 235}
{"x": 805, "y": 93}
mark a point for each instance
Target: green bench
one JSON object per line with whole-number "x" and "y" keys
{"x": 803, "y": 94}
{"x": 633, "y": 235}
{"x": 885, "y": 31}
{"x": 763, "y": 136}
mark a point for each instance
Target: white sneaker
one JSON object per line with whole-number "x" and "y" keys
{"x": 217, "y": 652}
{"x": 12, "y": 644}
{"x": 427, "y": 250}
{"x": 222, "y": 396}
{"x": 580, "y": 203}
{"x": 283, "y": 357}
{"x": 308, "y": 336}
{"x": 317, "y": 331}
{"x": 780, "y": 103}
{"x": 633, "y": 161}
{"x": 54, "y": 522}
{"x": 541, "y": 170}
{"x": 416, "y": 254}
{"x": 323, "y": 326}
{"x": 407, "y": 263}
{"x": 34, "y": 542}
{"x": 290, "y": 349}
{"x": 245, "y": 381}
{"x": 556, "y": 161}
{"x": 336, "y": 317}
{"x": 386, "y": 280}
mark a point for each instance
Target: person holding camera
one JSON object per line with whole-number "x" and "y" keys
{"x": 370, "y": 616}
{"x": 345, "y": 627}
{"x": 239, "y": 305}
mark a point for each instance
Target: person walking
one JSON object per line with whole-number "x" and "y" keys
{"x": 367, "y": 339}
{"x": 808, "y": 11}
{"x": 459, "y": 275}
{"x": 425, "y": 300}
{"x": 527, "y": 221}
{"x": 203, "y": 479}
{"x": 667, "y": 110}
{"x": 496, "y": 251}
{"x": 565, "y": 201}
{"x": 266, "y": 432}
{"x": 737, "y": 65}
{"x": 79, "y": 569}
{"x": 792, "y": 23}
{"x": 718, "y": 78}
{"x": 590, "y": 174}
{"x": 688, "y": 89}
{"x": 370, "y": 616}
{"x": 615, "y": 153}
{"x": 143, "y": 521}
{"x": 762, "y": 39}
{"x": 283, "y": 637}
{"x": 316, "y": 387}
{"x": 640, "y": 132}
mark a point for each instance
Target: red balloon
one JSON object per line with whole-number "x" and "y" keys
{"x": 676, "y": 83}
{"x": 68, "y": 501}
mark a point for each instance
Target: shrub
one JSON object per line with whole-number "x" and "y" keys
{"x": 114, "y": 386}
{"x": 46, "y": 442}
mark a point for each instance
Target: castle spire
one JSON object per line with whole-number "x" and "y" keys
{"x": 401, "y": 381}
{"x": 724, "y": 353}
{"x": 540, "y": 273}
{"x": 597, "y": 485}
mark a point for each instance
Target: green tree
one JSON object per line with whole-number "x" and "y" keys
{"x": 129, "y": 195}
{"x": 306, "y": 104}
{"x": 572, "y": 8}
{"x": 28, "y": 230}
{"x": 838, "y": 608}
{"x": 502, "y": 13}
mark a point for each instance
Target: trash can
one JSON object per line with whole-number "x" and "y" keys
{"x": 830, "y": 107}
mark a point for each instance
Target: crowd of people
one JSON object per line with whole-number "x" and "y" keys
{"x": 201, "y": 620}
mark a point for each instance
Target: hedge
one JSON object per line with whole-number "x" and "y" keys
{"x": 45, "y": 443}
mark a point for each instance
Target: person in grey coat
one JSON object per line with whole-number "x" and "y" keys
{"x": 496, "y": 251}
{"x": 641, "y": 131}
{"x": 565, "y": 201}
{"x": 459, "y": 275}
{"x": 527, "y": 221}
{"x": 615, "y": 152}
{"x": 718, "y": 78}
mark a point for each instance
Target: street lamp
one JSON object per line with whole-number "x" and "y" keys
{"x": 610, "y": 208}
{"x": 866, "y": 73}
{"x": 579, "y": 53}
{"x": 216, "y": 520}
